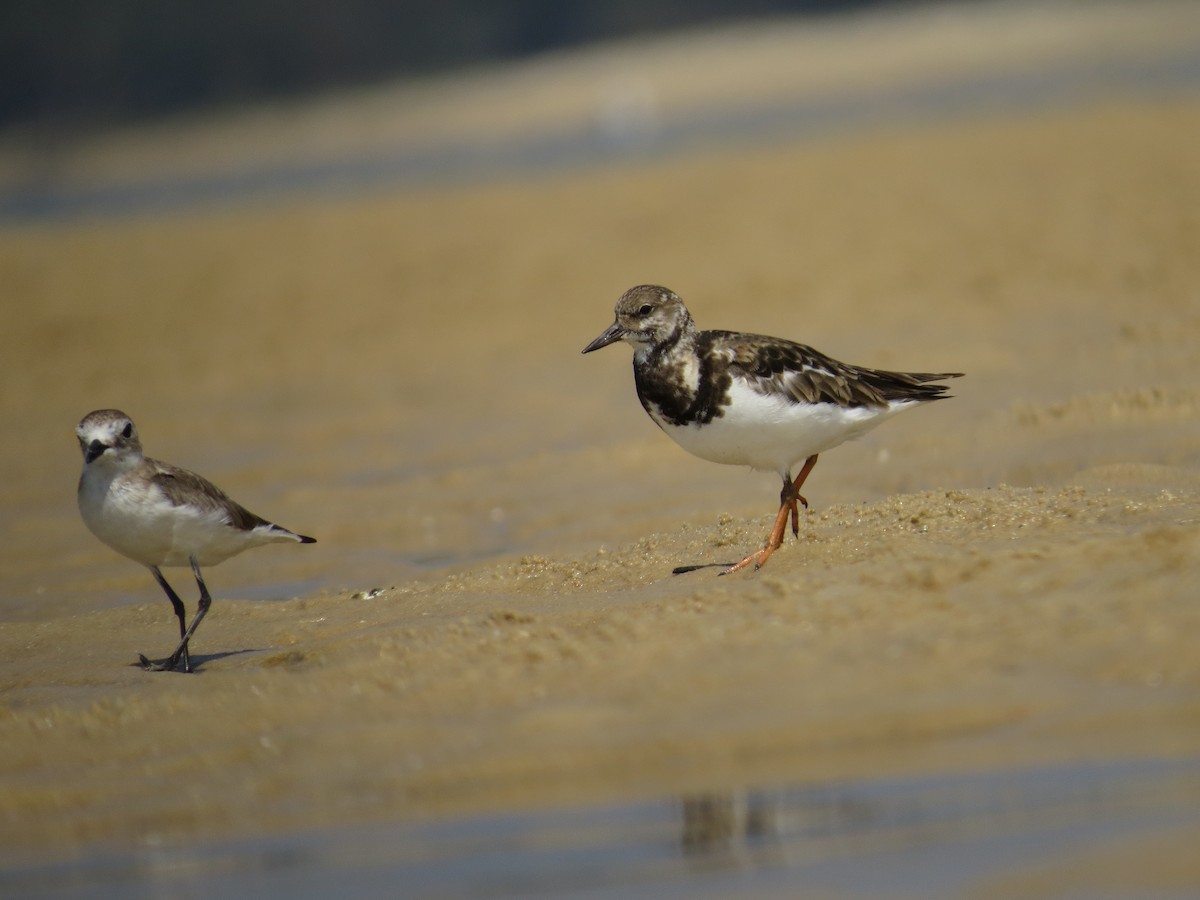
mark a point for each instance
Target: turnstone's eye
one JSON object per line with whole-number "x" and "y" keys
{"x": 646, "y": 310}
{"x": 127, "y": 431}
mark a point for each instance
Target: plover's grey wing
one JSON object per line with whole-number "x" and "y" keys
{"x": 183, "y": 487}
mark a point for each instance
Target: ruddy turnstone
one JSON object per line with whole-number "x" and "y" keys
{"x": 751, "y": 400}
{"x": 161, "y": 515}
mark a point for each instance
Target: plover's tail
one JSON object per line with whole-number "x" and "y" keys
{"x": 270, "y": 532}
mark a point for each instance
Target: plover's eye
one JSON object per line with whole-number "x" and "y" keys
{"x": 646, "y": 310}
{"x": 127, "y": 431}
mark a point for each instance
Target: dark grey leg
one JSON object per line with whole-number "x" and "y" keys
{"x": 180, "y": 614}
{"x": 181, "y": 652}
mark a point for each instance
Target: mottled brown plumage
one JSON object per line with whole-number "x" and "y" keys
{"x": 804, "y": 375}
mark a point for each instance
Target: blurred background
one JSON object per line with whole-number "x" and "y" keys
{"x": 75, "y": 64}
{"x": 130, "y": 107}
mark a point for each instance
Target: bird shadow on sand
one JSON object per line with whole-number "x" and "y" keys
{"x": 683, "y": 570}
{"x": 199, "y": 661}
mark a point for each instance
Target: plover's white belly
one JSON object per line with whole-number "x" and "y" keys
{"x": 142, "y": 524}
{"x": 771, "y": 432}
{"x": 210, "y": 537}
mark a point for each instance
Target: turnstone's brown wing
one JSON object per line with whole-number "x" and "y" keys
{"x": 804, "y": 375}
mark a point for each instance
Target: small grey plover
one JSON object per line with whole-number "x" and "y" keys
{"x": 161, "y": 515}
{"x": 751, "y": 400}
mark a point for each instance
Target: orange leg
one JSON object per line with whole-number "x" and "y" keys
{"x": 789, "y": 500}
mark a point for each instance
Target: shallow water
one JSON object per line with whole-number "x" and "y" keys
{"x": 950, "y": 835}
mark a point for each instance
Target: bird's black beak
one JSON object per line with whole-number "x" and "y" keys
{"x": 94, "y": 449}
{"x": 614, "y": 333}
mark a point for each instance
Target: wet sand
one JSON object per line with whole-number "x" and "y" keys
{"x": 488, "y": 622}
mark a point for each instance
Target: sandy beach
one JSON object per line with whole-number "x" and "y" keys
{"x": 489, "y": 622}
